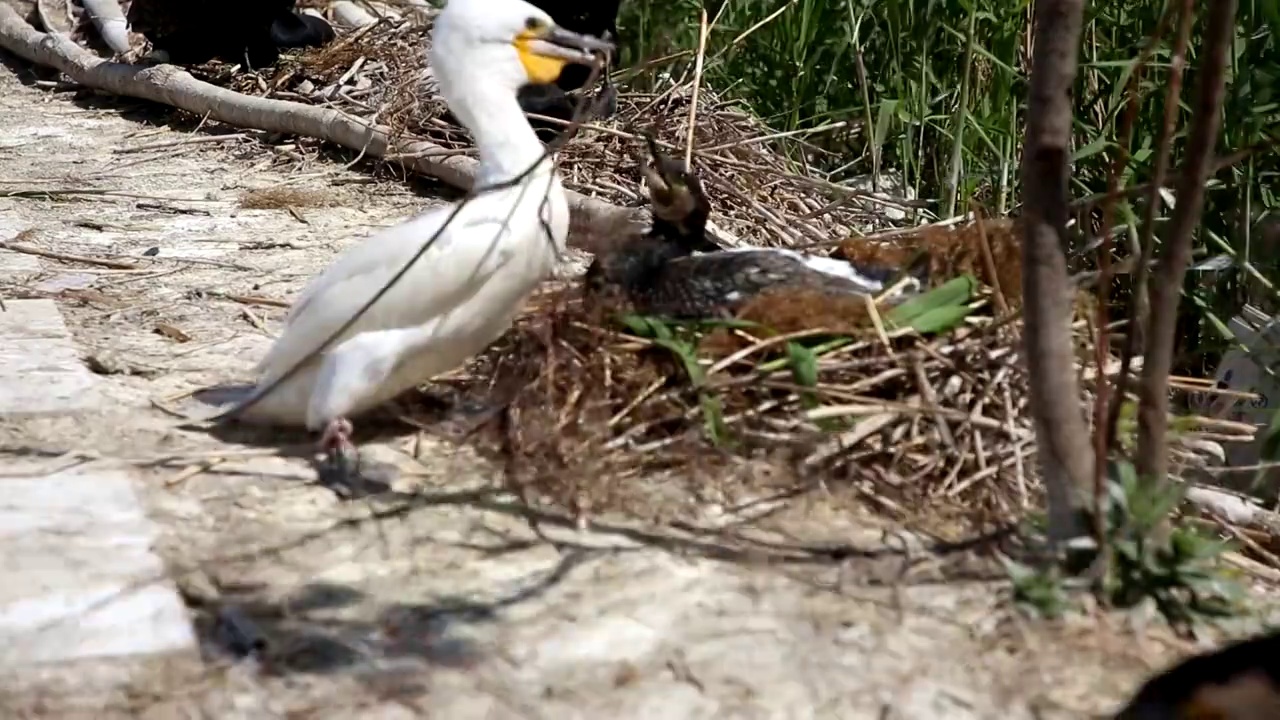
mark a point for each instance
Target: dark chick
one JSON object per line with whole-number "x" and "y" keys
{"x": 1238, "y": 682}
{"x": 659, "y": 273}
{"x": 250, "y": 32}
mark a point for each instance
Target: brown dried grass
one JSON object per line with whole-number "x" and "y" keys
{"x": 283, "y": 198}
{"x": 929, "y": 431}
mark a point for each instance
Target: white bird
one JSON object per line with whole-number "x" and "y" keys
{"x": 464, "y": 291}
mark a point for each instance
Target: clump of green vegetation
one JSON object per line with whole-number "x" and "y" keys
{"x": 938, "y": 311}
{"x": 1174, "y": 565}
{"x": 681, "y": 340}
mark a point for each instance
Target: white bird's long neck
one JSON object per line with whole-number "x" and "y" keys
{"x": 508, "y": 145}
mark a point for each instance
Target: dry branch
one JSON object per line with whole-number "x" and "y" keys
{"x": 1137, "y": 313}
{"x": 1064, "y": 451}
{"x": 177, "y": 88}
{"x": 1153, "y": 395}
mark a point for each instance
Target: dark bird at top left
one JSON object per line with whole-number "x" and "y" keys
{"x": 250, "y": 32}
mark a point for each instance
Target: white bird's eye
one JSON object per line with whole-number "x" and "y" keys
{"x": 534, "y": 24}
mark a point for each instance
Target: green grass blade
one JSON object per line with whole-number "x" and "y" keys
{"x": 955, "y": 292}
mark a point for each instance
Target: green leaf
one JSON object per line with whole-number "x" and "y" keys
{"x": 1090, "y": 150}
{"x": 697, "y": 375}
{"x": 712, "y": 411}
{"x": 804, "y": 369}
{"x": 637, "y": 325}
{"x": 804, "y": 364}
{"x": 713, "y": 418}
{"x": 732, "y": 323}
{"x": 887, "y": 108}
{"x": 955, "y": 292}
{"x": 1018, "y": 572}
{"x": 1182, "y": 424}
{"x": 645, "y": 327}
{"x": 940, "y": 320}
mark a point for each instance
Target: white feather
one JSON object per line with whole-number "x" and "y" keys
{"x": 110, "y": 21}
{"x": 348, "y": 13}
{"x": 458, "y": 297}
{"x": 827, "y": 266}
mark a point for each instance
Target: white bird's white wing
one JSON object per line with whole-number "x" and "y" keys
{"x": 474, "y": 245}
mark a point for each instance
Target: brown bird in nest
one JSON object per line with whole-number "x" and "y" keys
{"x": 251, "y": 32}
{"x": 949, "y": 252}
{"x": 1238, "y": 682}
{"x": 659, "y": 274}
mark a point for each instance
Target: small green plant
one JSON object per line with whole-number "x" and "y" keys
{"x": 1175, "y": 566}
{"x": 680, "y": 340}
{"x": 1042, "y": 591}
{"x": 940, "y": 310}
{"x": 804, "y": 370}
{"x": 937, "y": 311}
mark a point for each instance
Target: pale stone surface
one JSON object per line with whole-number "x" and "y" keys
{"x": 65, "y": 281}
{"x": 15, "y": 266}
{"x": 81, "y": 580}
{"x": 40, "y": 368}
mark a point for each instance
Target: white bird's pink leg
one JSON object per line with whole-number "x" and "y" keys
{"x": 337, "y": 435}
{"x": 336, "y": 441}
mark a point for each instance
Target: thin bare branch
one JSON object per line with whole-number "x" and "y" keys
{"x": 1137, "y": 316}
{"x": 1153, "y": 396}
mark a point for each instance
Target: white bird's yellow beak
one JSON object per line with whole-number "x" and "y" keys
{"x": 545, "y": 52}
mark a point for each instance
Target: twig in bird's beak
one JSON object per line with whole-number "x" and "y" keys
{"x": 574, "y": 47}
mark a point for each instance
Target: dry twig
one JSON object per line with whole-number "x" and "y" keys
{"x": 1153, "y": 397}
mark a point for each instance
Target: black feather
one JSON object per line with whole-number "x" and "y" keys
{"x": 1169, "y": 695}
{"x": 192, "y": 32}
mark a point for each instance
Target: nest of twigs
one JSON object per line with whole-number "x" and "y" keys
{"x": 663, "y": 420}
{"x": 652, "y": 417}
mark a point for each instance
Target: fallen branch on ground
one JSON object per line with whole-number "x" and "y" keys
{"x": 590, "y": 218}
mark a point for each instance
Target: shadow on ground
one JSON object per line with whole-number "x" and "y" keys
{"x": 437, "y": 413}
{"x": 317, "y": 629}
